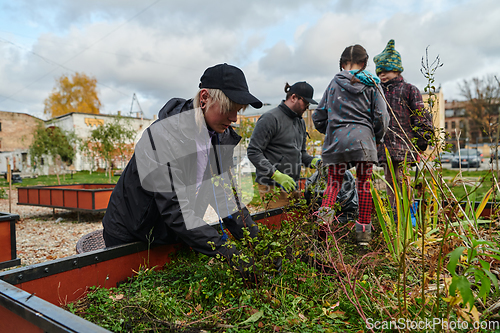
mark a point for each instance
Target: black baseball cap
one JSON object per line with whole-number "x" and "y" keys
{"x": 304, "y": 90}
{"x": 231, "y": 81}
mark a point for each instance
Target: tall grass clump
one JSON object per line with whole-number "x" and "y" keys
{"x": 445, "y": 250}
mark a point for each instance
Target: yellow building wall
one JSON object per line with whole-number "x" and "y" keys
{"x": 438, "y": 112}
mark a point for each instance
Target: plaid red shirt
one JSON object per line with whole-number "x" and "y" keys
{"x": 406, "y": 103}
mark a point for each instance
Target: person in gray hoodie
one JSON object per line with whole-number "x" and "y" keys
{"x": 277, "y": 147}
{"x": 353, "y": 115}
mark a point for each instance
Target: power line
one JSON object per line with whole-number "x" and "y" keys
{"x": 50, "y": 62}
{"x": 79, "y": 53}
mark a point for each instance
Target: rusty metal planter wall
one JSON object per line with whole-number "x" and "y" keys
{"x": 8, "y": 253}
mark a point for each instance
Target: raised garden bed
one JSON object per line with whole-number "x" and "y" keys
{"x": 30, "y": 297}
{"x": 77, "y": 197}
{"x": 8, "y": 253}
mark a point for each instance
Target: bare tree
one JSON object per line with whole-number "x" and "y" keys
{"x": 483, "y": 97}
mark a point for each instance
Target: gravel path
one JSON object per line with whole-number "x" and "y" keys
{"x": 41, "y": 236}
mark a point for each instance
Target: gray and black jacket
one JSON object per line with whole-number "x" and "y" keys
{"x": 155, "y": 206}
{"x": 278, "y": 142}
{"x": 354, "y": 118}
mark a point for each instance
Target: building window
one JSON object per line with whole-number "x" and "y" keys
{"x": 446, "y": 125}
{"x": 0, "y": 127}
{"x": 453, "y": 125}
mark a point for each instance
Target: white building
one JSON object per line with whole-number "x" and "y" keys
{"x": 82, "y": 125}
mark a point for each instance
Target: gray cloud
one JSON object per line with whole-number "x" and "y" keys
{"x": 162, "y": 52}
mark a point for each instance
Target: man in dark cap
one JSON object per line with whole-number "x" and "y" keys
{"x": 277, "y": 147}
{"x": 166, "y": 187}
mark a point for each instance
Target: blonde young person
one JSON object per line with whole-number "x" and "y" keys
{"x": 163, "y": 193}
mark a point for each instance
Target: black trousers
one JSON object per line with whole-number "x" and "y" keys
{"x": 111, "y": 241}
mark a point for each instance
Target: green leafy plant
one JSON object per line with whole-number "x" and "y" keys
{"x": 396, "y": 221}
{"x": 475, "y": 270}
{"x": 110, "y": 141}
{"x": 55, "y": 144}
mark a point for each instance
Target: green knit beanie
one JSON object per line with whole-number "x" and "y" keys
{"x": 389, "y": 60}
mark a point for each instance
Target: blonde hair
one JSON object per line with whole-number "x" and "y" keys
{"x": 216, "y": 95}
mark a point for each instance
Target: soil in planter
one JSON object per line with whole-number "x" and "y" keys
{"x": 201, "y": 294}
{"x": 325, "y": 284}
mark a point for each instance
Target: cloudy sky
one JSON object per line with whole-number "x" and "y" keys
{"x": 158, "y": 49}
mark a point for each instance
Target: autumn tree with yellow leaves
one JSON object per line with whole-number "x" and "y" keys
{"x": 73, "y": 94}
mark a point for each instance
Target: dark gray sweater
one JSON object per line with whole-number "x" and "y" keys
{"x": 278, "y": 142}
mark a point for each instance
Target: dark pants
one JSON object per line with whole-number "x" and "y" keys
{"x": 111, "y": 241}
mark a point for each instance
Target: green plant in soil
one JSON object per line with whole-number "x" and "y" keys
{"x": 197, "y": 292}
{"x": 325, "y": 285}
{"x": 432, "y": 281}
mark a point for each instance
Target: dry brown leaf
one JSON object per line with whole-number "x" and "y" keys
{"x": 251, "y": 311}
{"x": 116, "y": 297}
{"x": 189, "y": 294}
{"x": 344, "y": 268}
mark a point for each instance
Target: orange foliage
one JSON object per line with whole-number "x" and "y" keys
{"x": 75, "y": 94}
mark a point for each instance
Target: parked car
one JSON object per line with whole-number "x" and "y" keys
{"x": 471, "y": 158}
{"x": 16, "y": 177}
{"x": 445, "y": 157}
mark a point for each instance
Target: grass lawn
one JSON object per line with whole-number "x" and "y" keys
{"x": 469, "y": 181}
{"x": 474, "y": 184}
{"x": 80, "y": 177}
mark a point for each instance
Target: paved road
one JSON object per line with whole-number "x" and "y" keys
{"x": 484, "y": 166}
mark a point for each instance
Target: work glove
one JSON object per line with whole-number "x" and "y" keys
{"x": 286, "y": 182}
{"x": 277, "y": 261}
{"x": 246, "y": 270}
{"x": 316, "y": 163}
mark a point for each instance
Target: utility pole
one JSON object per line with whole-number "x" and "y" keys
{"x": 134, "y": 98}
{"x": 498, "y": 135}
{"x": 9, "y": 177}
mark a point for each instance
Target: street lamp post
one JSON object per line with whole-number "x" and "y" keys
{"x": 466, "y": 146}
